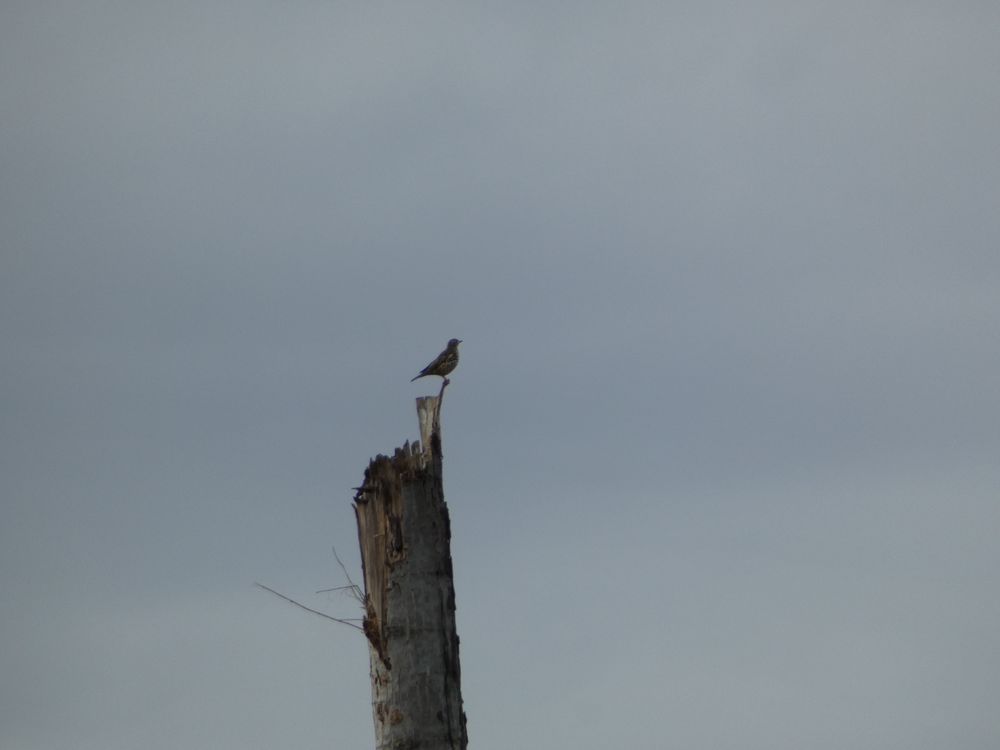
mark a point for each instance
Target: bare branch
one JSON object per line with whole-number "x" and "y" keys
{"x": 356, "y": 589}
{"x": 308, "y": 609}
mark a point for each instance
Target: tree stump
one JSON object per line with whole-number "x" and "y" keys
{"x": 405, "y": 535}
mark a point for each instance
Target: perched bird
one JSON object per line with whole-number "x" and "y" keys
{"x": 444, "y": 363}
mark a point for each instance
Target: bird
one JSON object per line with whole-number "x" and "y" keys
{"x": 443, "y": 363}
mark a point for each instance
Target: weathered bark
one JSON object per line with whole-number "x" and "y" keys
{"x": 405, "y": 532}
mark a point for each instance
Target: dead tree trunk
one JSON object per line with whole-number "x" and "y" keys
{"x": 405, "y": 532}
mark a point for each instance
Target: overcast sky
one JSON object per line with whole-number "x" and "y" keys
{"x": 722, "y": 450}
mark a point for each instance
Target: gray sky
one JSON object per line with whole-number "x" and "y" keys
{"x": 722, "y": 452}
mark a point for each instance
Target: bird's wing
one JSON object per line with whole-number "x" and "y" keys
{"x": 437, "y": 361}
{"x": 427, "y": 369}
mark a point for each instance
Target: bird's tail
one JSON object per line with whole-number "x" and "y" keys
{"x": 415, "y": 377}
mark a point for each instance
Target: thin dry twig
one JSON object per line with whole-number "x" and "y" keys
{"x": 356, "y": 590}
{"x": 309, "y": 609}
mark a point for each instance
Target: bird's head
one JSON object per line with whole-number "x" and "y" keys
{"x": 453, "y": 343}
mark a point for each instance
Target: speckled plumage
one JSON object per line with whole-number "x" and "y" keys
{"x": 444, "y": 363}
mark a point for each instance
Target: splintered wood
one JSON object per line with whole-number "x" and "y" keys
{"x": 404, "y": 531}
